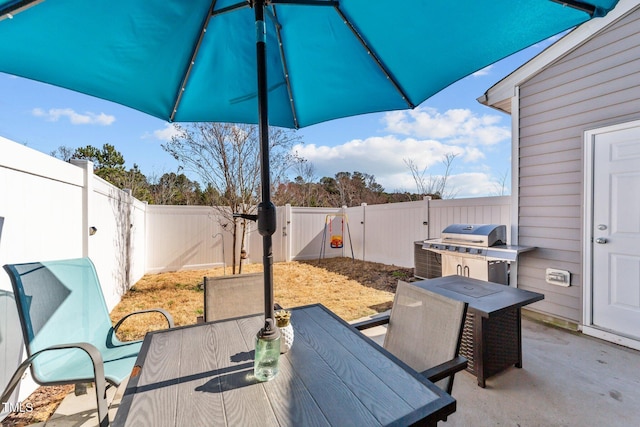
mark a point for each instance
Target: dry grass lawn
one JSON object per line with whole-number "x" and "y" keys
{"x": 350, "y": 288}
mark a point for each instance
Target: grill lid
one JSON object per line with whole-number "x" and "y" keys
{"x": 483, "y": 235}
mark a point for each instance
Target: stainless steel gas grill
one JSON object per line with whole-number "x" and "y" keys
{"x": 478, "y": 251}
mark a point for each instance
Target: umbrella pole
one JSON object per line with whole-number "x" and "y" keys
{"x": 268, "y": 339}
{"x": 266, "y": 209}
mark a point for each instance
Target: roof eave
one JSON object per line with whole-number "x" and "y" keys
{"x": 499, "y": 95}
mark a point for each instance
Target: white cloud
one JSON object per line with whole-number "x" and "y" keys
{"x": 424, "y": 136}
{"x": 483, "y": 72}
{"x": 456, "y": 126}
{"x": 384, "y": 155}
{"x": 466, "y": 184}
{"x": 473, "y": 154}
{"x": 473, "y": 184}
{"x": 88, "y": 118}
{"x": 164, "y": 134}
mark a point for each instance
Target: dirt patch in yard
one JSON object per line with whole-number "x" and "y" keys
{"x": 39, "y": 406}
{"x": 350, "y": 288}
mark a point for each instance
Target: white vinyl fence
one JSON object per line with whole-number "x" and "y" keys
{"x": 378, "y": 233}
{"x": 47, "y": 208}
{"x": 483, "y": 210}
{"x": 50, "y": 209}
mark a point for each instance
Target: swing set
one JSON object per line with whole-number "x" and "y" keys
{"x": 337, "y": 240}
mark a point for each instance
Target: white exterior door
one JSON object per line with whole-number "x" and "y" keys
{"x": 615, "y": 231}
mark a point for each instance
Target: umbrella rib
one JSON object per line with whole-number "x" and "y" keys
{"x": 375, "y": 57}
{"x": 16, "y": 7}
{"x": 585, "y": 7}
{"x": 231, "y": 8}
{"x": 305, "y": 2}
{"x": 285, "y": 69}
{"x": 283, "y": 58}
{"x": 192, "y": 61}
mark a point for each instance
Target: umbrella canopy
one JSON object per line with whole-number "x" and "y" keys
{"x": 287, "y": 63}
{"x": 195, "y": 60}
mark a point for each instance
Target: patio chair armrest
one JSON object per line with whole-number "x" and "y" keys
{"x": 370, "y": 323}
{"x": 445, "y": 369}
{"x": 98, "y": 374}
{"x": 151, "y": 310}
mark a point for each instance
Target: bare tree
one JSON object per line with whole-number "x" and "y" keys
{"x": 163, "y": 188}
{"x": 300, "y": 191}
{"x": 501, "y": 187}
{"x": 175, "y": 189}
{"x": 63, "y": 153}
{"x": 433, "y": 185}
{"x": 226, "y": 157}
{"x": 305, "y": 175}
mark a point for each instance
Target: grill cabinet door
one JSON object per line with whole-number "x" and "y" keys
{"x": 463, "y": 266}
{"x": 476, "y": 268}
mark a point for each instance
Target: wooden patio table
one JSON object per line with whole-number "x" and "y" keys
{"x": 202, "y": 375}
{"x": 492, "y": 336}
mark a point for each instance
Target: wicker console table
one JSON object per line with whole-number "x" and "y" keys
{"x": 492, "y": 336}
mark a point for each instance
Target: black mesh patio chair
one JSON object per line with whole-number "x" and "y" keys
{"x": 233, "y": 296}
{"x": 424, "y": 331}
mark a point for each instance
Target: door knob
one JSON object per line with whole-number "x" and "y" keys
{"x": 601, "y": 240}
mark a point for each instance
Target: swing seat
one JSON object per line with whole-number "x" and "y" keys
{"x": 336, "y": 242}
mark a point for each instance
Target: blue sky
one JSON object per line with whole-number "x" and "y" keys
{"x": 44, "y": 118}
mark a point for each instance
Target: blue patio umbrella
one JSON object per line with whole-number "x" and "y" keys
{"x": 308, "y": 60}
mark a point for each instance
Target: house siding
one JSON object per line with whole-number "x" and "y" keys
{"x": 595, "y": 85}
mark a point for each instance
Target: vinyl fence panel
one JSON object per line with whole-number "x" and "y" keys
{"x": 481, "y": 210}
{"x": 387, "y": 232}
{"x": 182, "y": 238}
{"x": 306, "y": 232}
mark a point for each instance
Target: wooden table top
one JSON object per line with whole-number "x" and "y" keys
{"x": 202, "y": 375}
{"x": 486, "y": 298}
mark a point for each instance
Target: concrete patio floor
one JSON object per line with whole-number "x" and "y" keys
{"x": 567, "y": 379}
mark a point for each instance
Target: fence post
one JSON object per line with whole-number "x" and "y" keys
{"x": 364, "y": 229}
{"x": 127, "y": 230}
{"x": 427, "y": 199}
{"x": 87, "y": 196}
{"x": 286, "y": 231}
{"x": 343, "y": 212}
